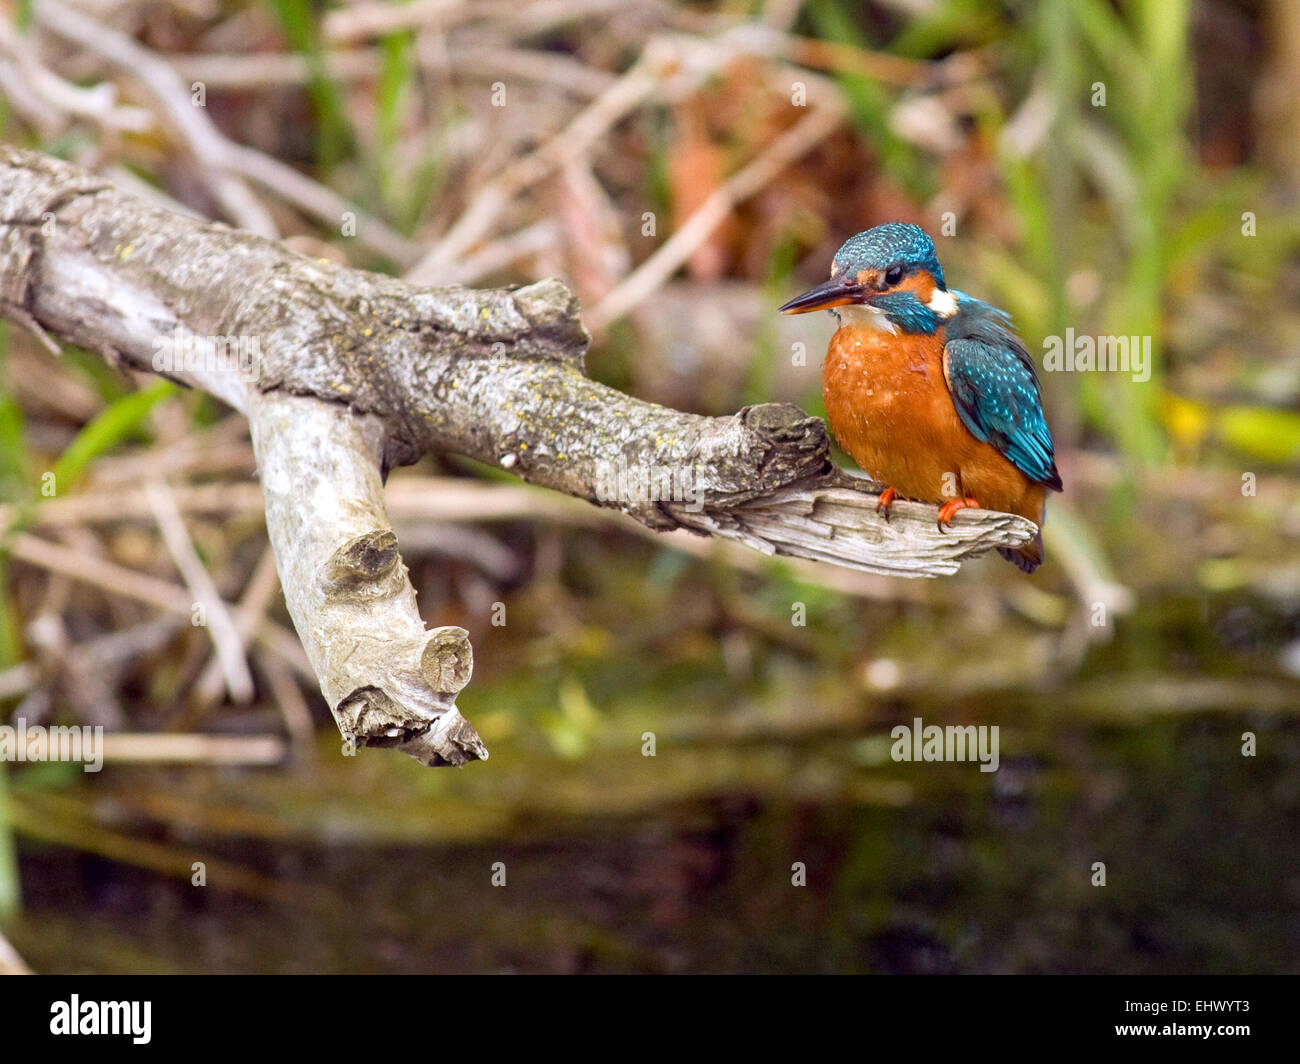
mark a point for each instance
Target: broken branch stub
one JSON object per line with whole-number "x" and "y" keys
{"x": 389, "y": 681}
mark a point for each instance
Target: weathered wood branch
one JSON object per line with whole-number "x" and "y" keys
{"x": 345, "y": 373}
{"x": 387, "y": 679}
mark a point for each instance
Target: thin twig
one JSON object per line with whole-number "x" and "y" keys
{"x": 259, "y": 594}
{"x": 293, "y": 708}
{"x": 171, "y": 97}
{"x": 59, "y": 99}
{"x": 18, "y": 679}
{"x": 225, "y": 635}
{"x": 119, "y": 580}
{"x": 193, "y": 748}
{"x": 225, "y": 163}
{"x": 790, "y": 146}
{"x": 576, "y": 138}
{"x": 10, "y": 962}
{"x": 264, "y": 70}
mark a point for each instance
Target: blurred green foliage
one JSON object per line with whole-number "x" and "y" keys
{"x": 301, "y": 25}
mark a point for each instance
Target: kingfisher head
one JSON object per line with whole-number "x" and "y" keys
{"x": 887, "y": 278}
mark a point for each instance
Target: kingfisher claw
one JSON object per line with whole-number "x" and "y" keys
{"x": 947, "y": 510}
{"x": 886, "y": 501}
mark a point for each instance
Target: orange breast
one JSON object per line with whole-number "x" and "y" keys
{"x": 889, "y": 407}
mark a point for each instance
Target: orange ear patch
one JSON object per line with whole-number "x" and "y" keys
{"x": 921, "y": 282}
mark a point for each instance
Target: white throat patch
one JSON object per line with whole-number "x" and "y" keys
{"x": 862, "y": 316}
{"x": 943, "y": 303}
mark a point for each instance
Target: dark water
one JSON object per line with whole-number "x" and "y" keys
{"x": 770, "y": 752}
{"x": 980, "y": 874}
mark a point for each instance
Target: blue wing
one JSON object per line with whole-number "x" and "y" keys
{"x": 995, "y": 389}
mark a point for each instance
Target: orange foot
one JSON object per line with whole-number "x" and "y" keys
{"x": 885, "y": 501}
{"x": 949, "y": 508}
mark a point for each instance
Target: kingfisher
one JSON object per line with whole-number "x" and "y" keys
{"x": 930, "y": 390}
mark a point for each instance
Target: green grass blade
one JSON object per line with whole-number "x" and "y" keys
{"x": 116, "y": 423}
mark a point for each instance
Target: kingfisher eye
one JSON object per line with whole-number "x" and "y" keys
{"x": 893, "y": 275}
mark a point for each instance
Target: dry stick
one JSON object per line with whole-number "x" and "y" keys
{"x": 267, "y": 70}
{"x": 128, "y": 181}
{"x": 202, "y": 454}
{"x": 157, "y": 748}
{"x": 219, "y": 447}
{"x": 431, "y": 498}
{"x": 225, "y": 163}
{"x": 586, "y": 128}
{"x": 87, "y": 670}
{"x": 29, "y": 381}
{"x": 480, "y": 549}
{"x": 119, "y": 580}
{"x": 172, "y": 97}
{"x": 21, "y": 98}
{"x": 34, "y": 327}
{"x": 290, "y": 702}
{"x": 365, "y": 20}
{"x": 502, "y": 252}
{"x": 95, "y": 667}
{"x": 551, "y": 69}
{"x": 258, "y": 595}
{"x": 99, "y": 572}
{"x": 114, "y": 648}
{"x": 790, "y": 146}
{"x": 10, "y": 961}
{"x": 324, "y": 204}
{"x": 193, "y": 748}
{"x": 50, "y": 100}
{"x": 18, "y": 679}
{"x": 225, "y": 636}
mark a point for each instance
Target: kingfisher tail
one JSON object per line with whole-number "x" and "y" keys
{"x": 1026, "y": 558}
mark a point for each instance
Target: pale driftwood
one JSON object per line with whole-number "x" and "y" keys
{"x": 357, "y": 372}
{"x": 385, "y": 677}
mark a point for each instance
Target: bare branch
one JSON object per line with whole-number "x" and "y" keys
{"x": 225, "y": 636}
{"x": 229, "y": 166}
{"x": 390, "y": 682}
{"x": 355, "y": 373}
{"x": 695, "y": 230}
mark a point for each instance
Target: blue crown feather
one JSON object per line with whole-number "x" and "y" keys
{"x": 892, "y": 244}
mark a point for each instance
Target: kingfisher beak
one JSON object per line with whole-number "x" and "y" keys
{"x": 833, "y": 293}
